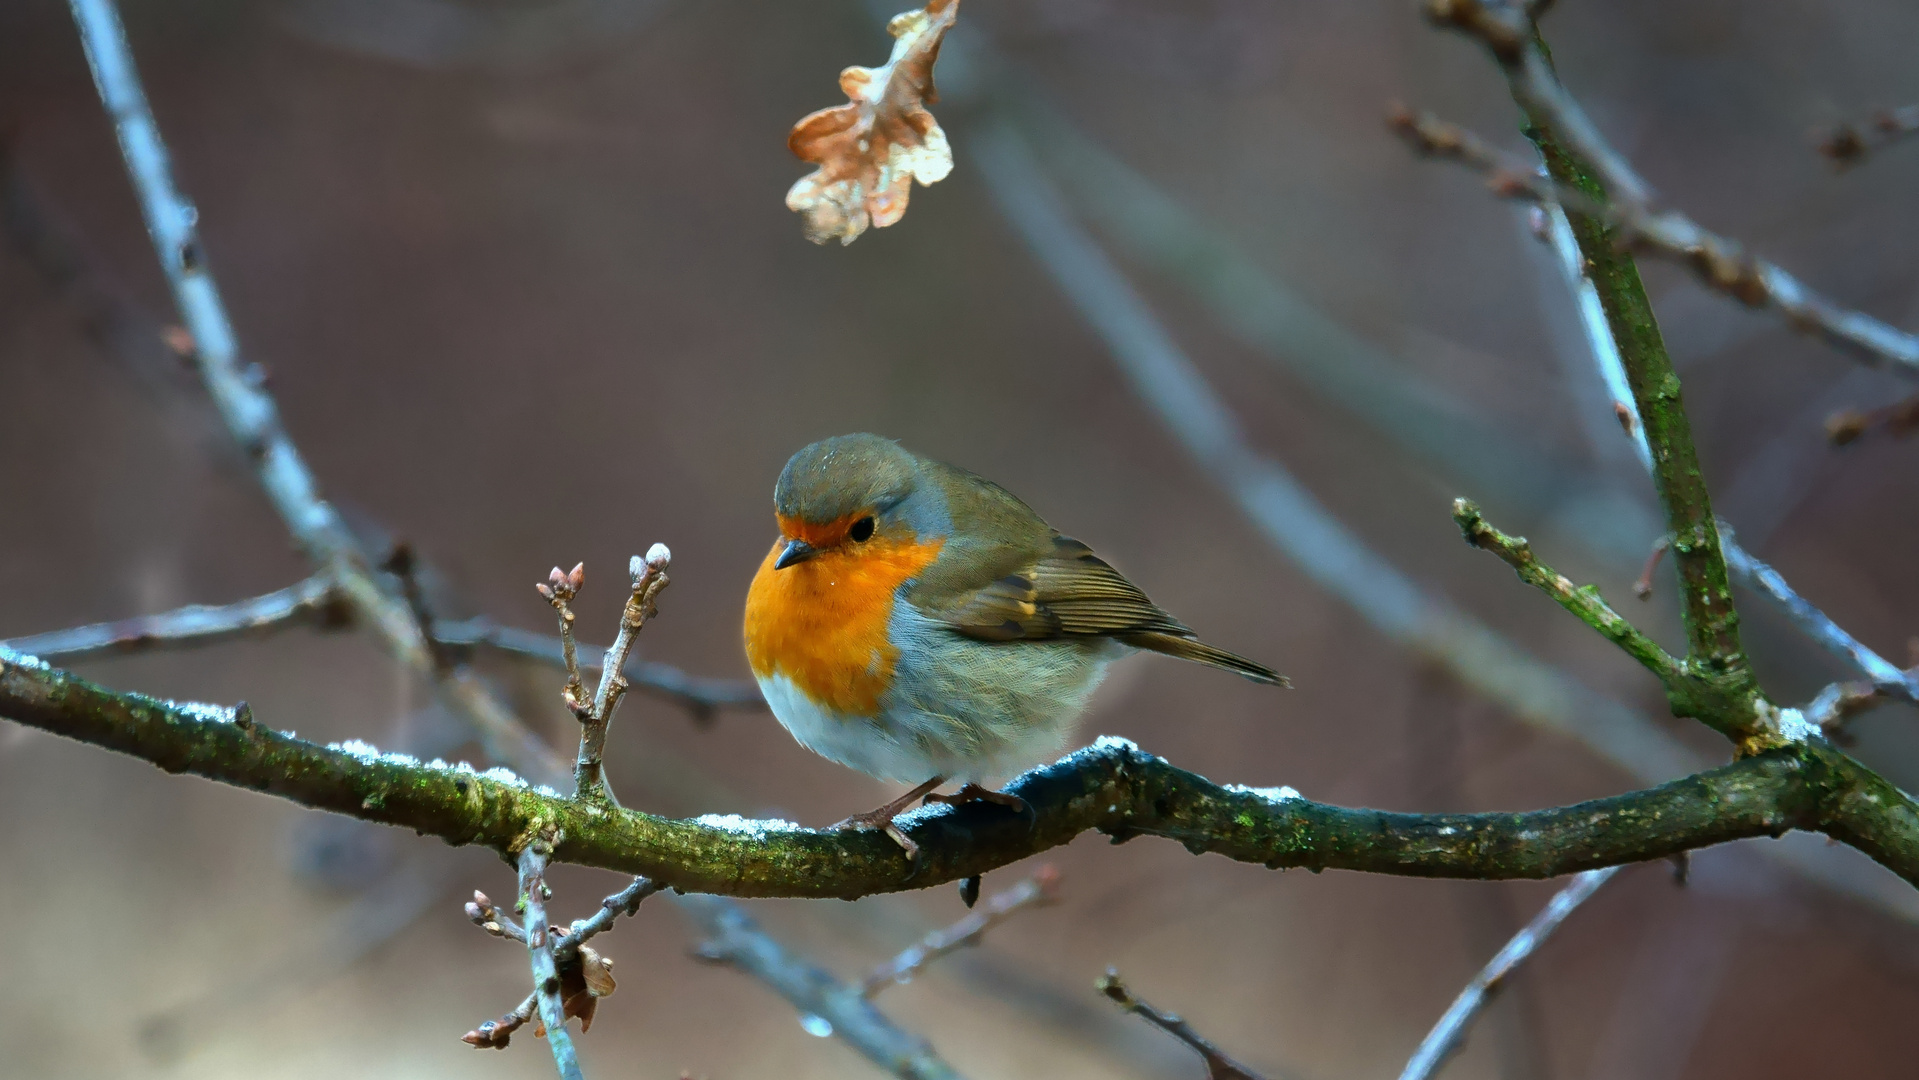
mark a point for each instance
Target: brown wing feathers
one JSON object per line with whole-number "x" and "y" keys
{"x": 1071, "y": 591}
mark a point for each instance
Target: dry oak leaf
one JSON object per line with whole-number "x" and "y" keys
{"x": 871, "y": 150}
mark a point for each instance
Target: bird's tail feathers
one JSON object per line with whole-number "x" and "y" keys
{"x": 1194, "y": 649}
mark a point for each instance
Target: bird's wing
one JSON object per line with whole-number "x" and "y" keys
{"x": 1071, "y": 592}
{"x": 1068, "y": 591}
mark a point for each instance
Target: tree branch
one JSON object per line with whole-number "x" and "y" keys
{"x": 1585, "y": 602}
{"x": 312, "y": 602}
{"x": 1445, "y": 1038}
{"x": 1507, "y": 31}
{"x": 826, "y": 1005}
{"x": 539, "y": 950}
{"x": 1110, "y": 787}
{"x": 1886, "y": 677}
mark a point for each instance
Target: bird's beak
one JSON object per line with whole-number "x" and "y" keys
{"x": 797, "y": 551}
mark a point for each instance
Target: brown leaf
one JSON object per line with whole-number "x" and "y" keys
{"x": 871, "y": 150}
{"x": 597, "y": 971}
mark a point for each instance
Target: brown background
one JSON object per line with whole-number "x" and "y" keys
{"x": 527, "y": 293}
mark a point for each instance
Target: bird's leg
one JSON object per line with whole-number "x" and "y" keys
{"x": 971, "y": 792}
{"x": 882, "y": 819}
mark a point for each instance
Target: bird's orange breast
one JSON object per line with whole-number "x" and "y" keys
{"x": 822, "y": 623}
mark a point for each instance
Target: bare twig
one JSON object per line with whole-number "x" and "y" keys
{"x": 312, "y": 602}
{"x": 1720, "y": 262}
{"x": 1218, "y": 1065}
{"x": 625, "y": 902}
{"x": 700, "y": 696}
{"x": 1042, "y": 888}
{"x": 649, "y": 577}
{"x": 496, "y": 1034}
{"x": 1848, "y": 144}
{"x": 491, "y": 919}
{"x": 1642, "y": 587}
{"x": 1446, "y": 1036}
{"x": 560, "y": 587}
{"x": 539, "y": 948}
{"x": 826, "y": 1005}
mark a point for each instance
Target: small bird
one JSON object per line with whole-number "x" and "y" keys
{"x": 921, "y": 624}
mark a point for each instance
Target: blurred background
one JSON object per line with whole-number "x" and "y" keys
{"x": 522, "y": 279}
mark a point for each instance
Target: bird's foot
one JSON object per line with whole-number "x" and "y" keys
{"x": 882, "y": 819}
{"x": 975, "y": 793}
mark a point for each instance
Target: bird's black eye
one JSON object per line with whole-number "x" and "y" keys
{"x": 862, "y": 530}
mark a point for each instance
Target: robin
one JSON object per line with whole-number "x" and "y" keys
{"x": 921, "y": 624}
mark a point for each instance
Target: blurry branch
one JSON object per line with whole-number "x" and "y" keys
{"x": 1899, "y": 419}
{"x": 1036, "y": 891}
{"x": 699, "y": 696}
{"x": 1848, "y": 144}
{"x": 238, "y": 391}
{"x": 826, "y": 1005}
{"x": 1719, "y": 262}
{"x": 1431, "y": 423}
{"x": 1447, "y": 1035}
{"x": 1626, "y": 200}
{"x": 1887, "y": 679}
{"x": 1166, "y": 381}
{"x": 1218, "y": 1065}
{"x": 1111, "y": 787}
{"x": 315, "y": 603}
{"x": 312, "y": 602}
{"x": 539, "y": 949}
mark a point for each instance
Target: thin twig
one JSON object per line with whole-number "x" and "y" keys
{"x": 1507, "y": 30}
{"x": 483, "y": 914}
{"x": 1218, "y": 1065}
{"x": 1586, "y": 603}
{"x": 589, "y": 770}
{"x": 496, "y": 1034}
{"x": 700, "y": 696}
{"x": 1040, "y": 889}
{"x": 826, "y": 1005}
{"x": 559, "y": 588}
{"x": 539, "y": 949}
{"x": 1445, "y": 1038}
{"x": 310, "y": 602}
{"x": 625, "y": 902}
{"x": 1850, "y": 143}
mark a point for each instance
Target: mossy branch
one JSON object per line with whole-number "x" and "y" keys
{"x": 1712, "y": 624}
{"x": 1110, "y": 787}
{"x": 1583, "y": 601}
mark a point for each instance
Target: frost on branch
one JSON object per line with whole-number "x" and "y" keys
{"x": 871, "y": 150}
